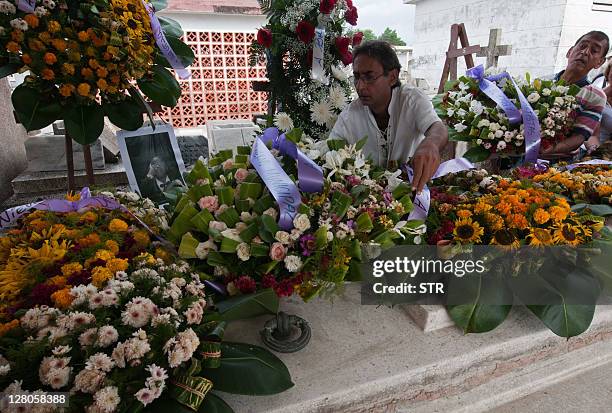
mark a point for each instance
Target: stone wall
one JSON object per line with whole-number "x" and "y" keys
{"x": 12, "y": 137}
{"x": 534, "y": 29}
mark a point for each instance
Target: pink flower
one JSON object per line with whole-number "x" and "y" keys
{"x": 277, "y": 251}
{"x": 209, "y": 202}
{"x": 241, "y": 174}
{"x": 229, "y": 164}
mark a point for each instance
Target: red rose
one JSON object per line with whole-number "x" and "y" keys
{"x": 342, "y": 44}
{"x": 349, "y": 4}
{"x": 305, "y": 31}
{"x": 351, "y": 16}
{"x": 357, "y": 38}
{"x": 347, "y": 58}
{"x": 264, "y": 37}
{"x": 327, "y": 6}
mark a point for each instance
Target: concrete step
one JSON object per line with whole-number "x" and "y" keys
{"x": 42, "y": 183}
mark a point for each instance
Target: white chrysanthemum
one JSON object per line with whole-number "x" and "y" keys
{"x": 107, "y": 399}
{"x": 283, "y": 121}
{"x": 88, "y": 381}
{"x": 145, "y": 395}
{"x": 321, "y": 113}
{"x": 99, "y": 361}
{"x": 339, "y": 74}
{"x": 19, "y": 24}
{"x": 7, "y": 7}
{"x": 501, "y": 145}
{"x": 293, "y": 263}
{"x": 107, "y": 335}
{"x": 61, "y": 350}
{"x": 5, "y": 369}
{"x": 88, "y": 337}
{"x": 337, "y": 98}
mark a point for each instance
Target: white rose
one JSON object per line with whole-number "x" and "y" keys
{"x": 499, "y": 133}
{"x": 271, "y": 212}
{"x": 232, "y": 234}
{"x": 283, "y": 237}
{"x": 534, "y": 97}
{"x": 243, "y": 251}
{"x": 559, "y": 101}
{"x": 301, "y": 222}
{"x": 494, "y": 126}
{"x": 546, "y": 92}
{"x": 483, "y": 123}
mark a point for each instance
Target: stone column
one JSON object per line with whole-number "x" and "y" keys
{"x": 12, "y": 137}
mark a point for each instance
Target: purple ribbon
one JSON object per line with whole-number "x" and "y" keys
{"x": 164, "y": 46}
{"x": 423, "y": 199}
{"x": 593, "y": 162}
{"x": 281, "y": 187}
{"x": 310, "y": 175}
{"x": 26, "y": 6}
{"x": 530, "y": 119}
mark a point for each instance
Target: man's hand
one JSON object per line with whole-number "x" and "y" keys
{"x": 426, "y": 159}
{"x": 425, "y": 163}
{"x": 563, "y": 148}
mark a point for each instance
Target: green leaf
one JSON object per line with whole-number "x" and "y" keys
{"x": 229, "y": 245}
{"x": 127, "y": 114}
{"x": 364, "y": 223}
{"x": 340, "y": 203}
{"x": 249, "y": 369}
{"x": 250, "y": 190}
{"x": 9, "y": 69}
{"x": 247, "y": 306}
{"x": 250, "y": 232}
{"x": 475, "y": 317}
{"x": 269, "y": 224}
{"x": 182, "y": 224}
{"x": 84, "y": 124}
{"x": 183, "y": 52}
{"x": 259, "y": 250}
{"x": 230, "y": 217}
{"x": 202, "y": 219}
{"x": 226, "y": 195}
{"x": 477, "y": 154}
{"x": 361, "y": 143}
{"x": 32, "y": 110}
{"x": 188, "y": 246}
{"x": 294, "y": 135}
{"x": 162, "y": 87}
{"x": 144, "y": 105}
{"x": 171, "y": 27}
{"x": 601, "y": 210}
{"x": 213, "y": 404}
{"x": 159, "y": 4}
{"x": 449, "y": 85}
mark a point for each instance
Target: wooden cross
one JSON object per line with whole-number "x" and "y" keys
{"x": 458, "y": 34}
{"x": 494, "y": 50}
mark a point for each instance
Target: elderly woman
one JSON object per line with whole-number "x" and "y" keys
{"x": 605, "y": 128}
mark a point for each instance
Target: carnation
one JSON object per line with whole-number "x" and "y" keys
{"x": 243, "y": 251}
{"x": 107, "y": 399}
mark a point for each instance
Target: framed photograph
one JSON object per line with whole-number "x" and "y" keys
{"x": 152, "y": 161}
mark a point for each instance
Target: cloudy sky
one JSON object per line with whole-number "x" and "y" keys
{"x": 379, "y": 14}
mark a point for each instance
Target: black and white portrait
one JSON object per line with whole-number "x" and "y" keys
{"x": 152, "y": 161}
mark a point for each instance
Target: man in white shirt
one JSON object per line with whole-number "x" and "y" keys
{"x": 399, "y": 121}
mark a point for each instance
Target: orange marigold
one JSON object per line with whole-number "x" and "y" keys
{"x": 12, "y": 47}
{"x": 93, "y": 63}
{"x": 68, "y": 68}
{"x": 101, "y": 72}
{"x": 117, "y": 264}
{"x": 87, "y": 72}
{"x": 464, "y": 213}
{"x": 58, "y": 280}
{"x": 112, "y": 246}
{"x": 48, "y": 74}
{"x": 540, "y": 216}
{"x": 104, "y": 255}
{"x": 71, "y": 269}
{"x": 83, "y": 36}
{"x": 117, "y": 225}
{"x": 604, "y": 190}
{"x": 90, "y": 240}
{"x": 558, "y": 213}
{"x": 6, "y": 327}
{"x": 100, "y": 275}
{"x": 31, "y": 20}
{"x": 26, "y": 59}
{"x": 59, "y": 44}
{"x": 142, "y": 238}
{"x": 89, "y": 216}
{"x": 62, "y": 298}
{"x": 102, "y": 85}
{"x": 84, "y": 89}
{"x": 66, "y": 90}
{"x": 17, "y": 35}
{"x": 53, "y": 26}
{"x": 50, "y": 58}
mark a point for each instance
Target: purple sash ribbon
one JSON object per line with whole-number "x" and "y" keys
{"x": 281, "y": 187}
{"x": 530, "y": 119}
{"x": 26, "y": 6}
{"x": 164, "y": 46}
{"x": 423, "y": 200}
{"x": 310, "y": 175}
{"x": 593, "y": 162}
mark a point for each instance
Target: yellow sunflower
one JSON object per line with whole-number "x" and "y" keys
{"x": 505, "y": 239}
{"x": 467, "y": 231}
{"x": 568, "y": 234}
{"x": 540, "y": 237}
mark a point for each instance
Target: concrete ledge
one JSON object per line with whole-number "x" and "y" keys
{"x": 366, "y": 358}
